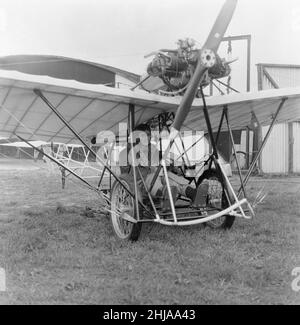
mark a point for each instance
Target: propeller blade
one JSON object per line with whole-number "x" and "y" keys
{"x": 188, "y": 98}
{"x": 220, "y": 27}
{"x": 212, "y": 44}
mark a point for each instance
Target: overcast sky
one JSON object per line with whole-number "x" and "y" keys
{"x": 120, "y": 33}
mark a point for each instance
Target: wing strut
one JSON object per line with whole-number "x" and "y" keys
{"x": 274, "y": 119}
{"x": 234, "y": 150}
{"x": 67, "y": 124}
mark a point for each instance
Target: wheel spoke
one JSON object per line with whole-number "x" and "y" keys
{"x": 215, "y": 197}
{"x": 121, "y": 202}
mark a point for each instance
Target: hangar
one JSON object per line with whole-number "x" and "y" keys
{"x": 69, "y": 69}
{"x": 282, "y": 152}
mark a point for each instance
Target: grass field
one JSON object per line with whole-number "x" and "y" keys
{"x": 54, "y": 254}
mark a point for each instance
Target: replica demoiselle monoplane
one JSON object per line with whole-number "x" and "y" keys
{"x": 34, "y": 107}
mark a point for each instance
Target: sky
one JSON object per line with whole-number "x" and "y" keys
{"x": 120, "y": 33}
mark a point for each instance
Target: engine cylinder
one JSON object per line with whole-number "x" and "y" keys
{"x": 169, "y": 65}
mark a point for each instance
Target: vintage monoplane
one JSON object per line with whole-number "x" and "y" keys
{"x": 34, "y": 107}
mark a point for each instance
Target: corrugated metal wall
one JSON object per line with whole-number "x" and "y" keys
{"x": 275, "y": 154}
{"x": 275, "y": 157}
{"x": 285, "y": 76}
{"x": 296, "y": 134}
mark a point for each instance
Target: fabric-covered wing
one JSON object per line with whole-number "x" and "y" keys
{"x": 89, "y": 108}
{"x": 94, "y": 108}
{"x": 241, "y": 106}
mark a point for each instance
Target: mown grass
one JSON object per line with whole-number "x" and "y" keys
{"x": 54, "y": 254}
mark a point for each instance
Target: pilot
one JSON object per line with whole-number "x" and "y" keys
{"x": 147, "y": 158}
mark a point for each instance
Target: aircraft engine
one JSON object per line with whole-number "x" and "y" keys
{"x": 176, "y": 67}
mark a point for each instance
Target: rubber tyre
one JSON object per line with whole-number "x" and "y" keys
{"x": 226, "y": 221}
{"x": 133, "y": 230}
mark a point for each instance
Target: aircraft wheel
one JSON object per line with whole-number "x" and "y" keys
{"x": 242, "y": 159}
{"x": 216, "y": 198}
{"x": 121, "y": 201}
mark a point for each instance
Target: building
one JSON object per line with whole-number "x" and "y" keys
{"x": 69, "y": 69}
{"x": 282, "y": 152}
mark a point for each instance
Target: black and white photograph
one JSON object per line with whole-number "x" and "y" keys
{"x": 149, "y": 155}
